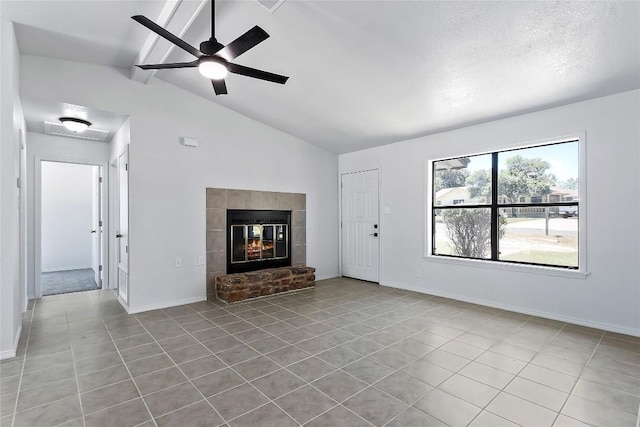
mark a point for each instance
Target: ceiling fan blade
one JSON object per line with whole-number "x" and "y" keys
{"x": 219, "y": 86}
{"x": 257, "y": 74}
{"x": 166, "y": 34}
{"x": 169, "y": 65}
{"x": 243, "y": 43}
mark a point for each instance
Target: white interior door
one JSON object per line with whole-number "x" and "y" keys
{"x": 96, "y": 230}
{"x": 122, "y": 229}
{"x": 360, "y": 226}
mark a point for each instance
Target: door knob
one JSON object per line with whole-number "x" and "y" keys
{"x": 374, "y": 234}
{"x": 118, "y": 236}
{"x": 93, "y": 231}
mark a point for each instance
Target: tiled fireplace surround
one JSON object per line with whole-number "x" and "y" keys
{"x": 221, "y": 199}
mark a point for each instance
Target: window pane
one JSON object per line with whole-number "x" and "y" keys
{"x": 462, "y": 181}
{"x": 545, "y": 174}
{"x": 464, "y": 232}
{"x": 532, "y": 236}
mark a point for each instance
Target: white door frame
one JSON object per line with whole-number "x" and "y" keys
{"x": 37, "y": 215}
{"x": 380, "y": 225}
{"x": 114, "y": 205}
{"x": 22, "y": 149}
{"x": 123, "y": 292}
{"x": 98, "y": 259}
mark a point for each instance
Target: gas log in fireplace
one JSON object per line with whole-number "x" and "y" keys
{"x": 258, "y": 239}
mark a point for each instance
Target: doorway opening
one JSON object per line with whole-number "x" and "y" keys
{"x": 71, "y": 228}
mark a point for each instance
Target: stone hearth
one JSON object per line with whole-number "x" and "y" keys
{"x": 241, "y": 286}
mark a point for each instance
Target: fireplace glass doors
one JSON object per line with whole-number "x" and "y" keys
{"x": 257, "y": 239}
{"x": 257, "y": 242}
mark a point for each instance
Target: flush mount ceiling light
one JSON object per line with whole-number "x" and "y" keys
{"x": 74, "y": 124}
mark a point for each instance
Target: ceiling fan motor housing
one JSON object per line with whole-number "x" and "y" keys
{"x": 211, "y": 46}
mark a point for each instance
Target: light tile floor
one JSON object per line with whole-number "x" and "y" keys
{"x": 346, "y": 353}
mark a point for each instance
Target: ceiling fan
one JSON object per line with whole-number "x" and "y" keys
{"x": 213, "y": 57}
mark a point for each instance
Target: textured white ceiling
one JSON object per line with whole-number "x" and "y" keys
{"x": 99, "y": 32}
{"x": 365, "y": 73}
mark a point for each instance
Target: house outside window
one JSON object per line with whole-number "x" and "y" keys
{"x": 517, "y": 206}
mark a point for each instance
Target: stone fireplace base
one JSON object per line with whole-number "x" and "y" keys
{"x": 242, "y": 286}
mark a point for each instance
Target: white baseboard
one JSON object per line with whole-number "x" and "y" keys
{"x": 327, "y": 276}
{"x": 8, "y": 354}
{"x": 516, "y": 309}
{"x": 123, "y": 303}
{"x": 134, "y": 310}
{"x": 79, "y": 267}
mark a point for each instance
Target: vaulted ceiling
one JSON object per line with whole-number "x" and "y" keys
{"x": 364, "y": 73}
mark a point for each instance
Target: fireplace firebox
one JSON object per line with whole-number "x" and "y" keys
{"x": 258, "y": 239}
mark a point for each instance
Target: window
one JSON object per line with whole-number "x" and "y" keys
{"x": 513, "y": 206}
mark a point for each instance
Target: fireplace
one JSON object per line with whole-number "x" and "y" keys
{"x": 258, "y": 239}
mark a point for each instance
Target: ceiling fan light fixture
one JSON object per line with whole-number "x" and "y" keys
{"x": 74, "y": 124}
{"x": 213, "y": 69}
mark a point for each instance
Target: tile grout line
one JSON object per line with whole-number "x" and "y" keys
{"x": 465, "y": 330}
{"x": 260, "y": 354}
{"x": 181, "y": 371}
{"x": 24, "y": 362}
{"x": 517, "y": 376}
{"x": 172, "y": 318}
{"x": 75, "y": 372}
{"x": 502, "y": 390}
{"x": 250, "y": 382}
{"x": 569, "y": 394}
{"x": 130, "y": 376}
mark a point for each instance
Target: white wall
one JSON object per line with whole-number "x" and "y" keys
{"x": 56, "y": 148}
{"x": 167, "y": 180}
{"x": 11, "y": 124}
{"x": 120, "y": 141}
{"x": 609, "y": 297}
{"x": 67, "y": 216}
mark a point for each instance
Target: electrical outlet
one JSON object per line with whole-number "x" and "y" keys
{"x": 200, "y": 260}
{"x": 178, "y": 262}
{"x": 418, "y": 273}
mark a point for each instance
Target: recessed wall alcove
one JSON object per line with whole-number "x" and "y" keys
{"x": 219, "y": 200}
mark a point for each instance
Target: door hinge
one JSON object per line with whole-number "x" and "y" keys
{"x": 126, "y": 249}
{"x": 99, "y": 268}
{"x": 126, "y": 166}
{"x": 100, "y": 223}
{"x": 100, "y": 179}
